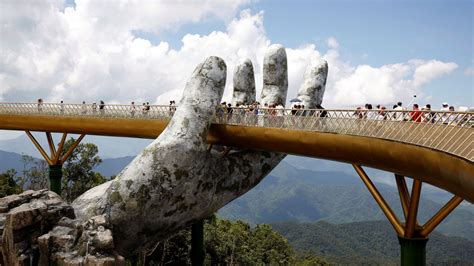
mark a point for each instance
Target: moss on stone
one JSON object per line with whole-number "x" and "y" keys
{"x": 115, "y": 197}
{"x": 180, "y": 173}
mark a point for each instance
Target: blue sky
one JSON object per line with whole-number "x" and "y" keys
{"x": 378, "y": 51}
{"x": 370, "y": 32}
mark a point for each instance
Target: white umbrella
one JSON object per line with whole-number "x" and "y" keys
{"x": 295, "y": 100}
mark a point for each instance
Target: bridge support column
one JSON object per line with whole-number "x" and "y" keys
{"x": 56, "y": 159}
{"x": 55, "y": 175}
{"x": 411, "y": 236}
{"x": 412, "y": 251}
{"x": 197, "y": 243}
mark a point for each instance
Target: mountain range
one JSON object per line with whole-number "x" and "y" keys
{"x": 294, "y": 192}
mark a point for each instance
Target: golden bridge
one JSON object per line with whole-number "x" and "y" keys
{"x": 435, "y": 147}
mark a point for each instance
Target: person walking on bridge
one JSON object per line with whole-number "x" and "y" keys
{"x": 400, "y": 116}
{"x": 132, "y": 109}
{"x": 40, "y": 105}
{"x": 61, "y": 107}
{"x": 102, "y": 107}
{"x": 84, "y": 107}
{"x": 94, "y": 108}
{"x": 416, "y": 114}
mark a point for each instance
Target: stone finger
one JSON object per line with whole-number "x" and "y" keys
{"x": 312, "y": 89}
{"x": 244, "y": 83}
{"x": 275, "y": 76}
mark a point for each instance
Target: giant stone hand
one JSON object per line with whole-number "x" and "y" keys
{"x": 176, "y": 180}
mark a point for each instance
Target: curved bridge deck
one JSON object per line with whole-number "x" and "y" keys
{"x": 438, "y": 147}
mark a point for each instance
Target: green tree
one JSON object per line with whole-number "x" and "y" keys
{"x": 226, "y": 243}
{"x": 35, "y": 172}
{"x": 270, "y": 247}
{"x": 311, "y": 260}
{"x": 9, "y": 183}
{"x": 78, "y": 174}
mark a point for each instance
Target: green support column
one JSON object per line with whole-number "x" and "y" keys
{"x": 413, "y": 251}
{"x": 55, "y": 175}
{"x": 197, "y": 243}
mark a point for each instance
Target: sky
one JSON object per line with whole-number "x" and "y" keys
{"x": 378, "y": 51}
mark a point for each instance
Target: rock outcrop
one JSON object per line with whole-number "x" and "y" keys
{"x": 38, "y": 228}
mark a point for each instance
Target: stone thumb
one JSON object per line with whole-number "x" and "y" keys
{"x": 195, "y": 111}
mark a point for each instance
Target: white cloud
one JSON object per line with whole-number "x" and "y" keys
{"x": 90, "y": 53}
{"x": 469, "y": 71}
{"x": 427, "y": 71}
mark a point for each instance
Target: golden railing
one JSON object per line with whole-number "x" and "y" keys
{"x": 450, "y": 132}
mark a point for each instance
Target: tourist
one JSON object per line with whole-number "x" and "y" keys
{"x": 102, "y": 107}
{"x": 40, "y": 105}
{"x": 370, "y": 114}
{"x": 94, "y": 108}
{"x": 416, "y": 114}
{"x": 444, "y": 116}
{"x": 452, "y": 118}
{"x": 132, "y": 109}
{"x": 399, "y": 115}
{"x": 444, "y": 107}
{"x": 144, "y": 110}
{"x": 172, "y": 108}
{"x": 83, "y": 107}
{"x": 220, "y": 112}
{"x": 359, "y": 113}
{"x": 381, "y": 115}
{"x": 61, "y": 107}
{"x": 430, "y": 116}
{"x": 229, "y": 112}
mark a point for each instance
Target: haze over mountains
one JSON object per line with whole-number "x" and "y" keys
{"x": 109, "y": 147}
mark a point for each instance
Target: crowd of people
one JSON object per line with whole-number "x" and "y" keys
{"x": 226, "y": 110}
{"x": 416, "y": 114}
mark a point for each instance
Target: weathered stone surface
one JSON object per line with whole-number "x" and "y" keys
{"x": 42, "y": 231}
{"x": 100, "y": 261}
{"x": 30, "y": 215}
{"x": 103, "y": 239}
{"x": 275, "y": 76}
{"x": 311, "y": 91}
{"x": 244, "y": 83}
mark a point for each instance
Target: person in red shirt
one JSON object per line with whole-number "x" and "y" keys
{"x": 416, "y": 114}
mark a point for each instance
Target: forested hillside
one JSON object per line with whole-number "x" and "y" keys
{"x": 371, "y": 242}
{"x": 291, "y": 194}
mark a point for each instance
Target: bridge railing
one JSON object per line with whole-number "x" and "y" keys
{"x": 90, "y": 110}
{"x": 451, "y": 132}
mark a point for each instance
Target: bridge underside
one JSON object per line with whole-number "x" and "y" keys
{"x": 437, "y": 168}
